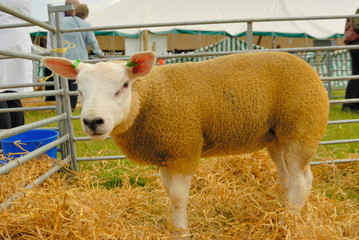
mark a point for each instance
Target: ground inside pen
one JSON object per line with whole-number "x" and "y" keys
{"x": 231, "y": 198}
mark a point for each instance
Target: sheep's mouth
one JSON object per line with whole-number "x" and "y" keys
{"x": 98, "y": 136}
{"x": 93, "y": 132}
{"x": 96, "y": 133}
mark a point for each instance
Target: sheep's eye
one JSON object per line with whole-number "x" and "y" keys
{"x": 124, "y": 86}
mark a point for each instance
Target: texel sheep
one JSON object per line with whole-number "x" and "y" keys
{"x": 171, "y": 116}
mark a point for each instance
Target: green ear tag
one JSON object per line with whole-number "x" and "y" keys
{"x": 131, "y": 64}
{"x": 76, "y": 63}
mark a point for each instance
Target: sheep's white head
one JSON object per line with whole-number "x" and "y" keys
{"x": 104, "y": 89}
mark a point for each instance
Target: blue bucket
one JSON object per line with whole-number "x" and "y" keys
{"x": 29, "y": 141}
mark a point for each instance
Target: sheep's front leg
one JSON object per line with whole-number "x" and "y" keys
{"x": 177, "y": 186}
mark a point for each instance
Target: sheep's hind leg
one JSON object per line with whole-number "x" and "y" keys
{"x": 297, "y": 158}
{"x": 177, "y": 186}
{"x": 276, "y": 152}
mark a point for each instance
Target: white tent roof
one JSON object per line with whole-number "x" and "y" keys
{"x": 128, "y": 12}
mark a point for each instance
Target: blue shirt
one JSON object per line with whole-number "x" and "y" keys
{"x": 81, "y": 39}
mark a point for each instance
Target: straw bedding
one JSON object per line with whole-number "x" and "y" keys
{"x": 231, "y": 198}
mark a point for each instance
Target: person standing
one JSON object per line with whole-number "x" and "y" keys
{"x": 352, "y": 90}
{"x": 81, "y": 39}
{"x": 64, "y": 14}
{"x": 15, "y": 70}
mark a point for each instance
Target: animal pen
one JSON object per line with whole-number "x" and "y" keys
{"x": 67, "y": 141}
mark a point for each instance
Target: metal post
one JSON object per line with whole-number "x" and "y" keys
{"x": 250, "y": 35}
{"x": 200, "y": 41}
{"x": 56, "y": 82}
{"x": 329, "y": 72}
{"x": 71, "y": 148}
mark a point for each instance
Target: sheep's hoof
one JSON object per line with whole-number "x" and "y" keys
{"x": 181, "y": 233}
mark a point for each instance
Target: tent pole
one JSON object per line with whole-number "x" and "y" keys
{"x": 145, "y": 40}
{"x": 112, "y": 47}
{"x": 273, "y": 40}
{"x": 173, "y": 42}
{"x": 140, "y": 40}
{"x": 250, "y": 35}
{"x": 306, "y": 40}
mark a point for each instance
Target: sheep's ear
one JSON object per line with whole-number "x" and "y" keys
{"x": 62, "y": 66}
{"x": 141, "y": 63}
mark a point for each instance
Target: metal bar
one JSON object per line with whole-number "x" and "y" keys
{"x": 45, "y": 54}
{"x": 27, "y": 85}
{"x": 329, "y": 72}
{"x": 35, "y": 183}
{"x": 334, "y": 161}
{"x": 26, "y": 17}
{"x": 16, "y": 25}
{"x": 208, "y": 22}
{"x": 339, "y": 141}
{"x": 327, "y": 79}
{"x": 351, "y": 100}
{"x": 41, "y": 108}
{"x": 75, "y": 117}
{"x": 12, "y": 53}
{"x": 73, "y": 93}
{"x": 13, "y": 131}
{"x": 343, "y": 121}
{"x": 85, "y": 159}
{"x": 22, "y": 95}
{"x": 78, "y": 139}
{"x": 21, "y": 160}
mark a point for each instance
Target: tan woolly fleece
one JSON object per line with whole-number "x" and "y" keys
{"x": 229, "y": 105}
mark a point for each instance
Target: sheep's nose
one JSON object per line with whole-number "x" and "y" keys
{"x": 93, "y": 123}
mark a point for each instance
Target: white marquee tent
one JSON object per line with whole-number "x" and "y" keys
{"x": 128, "y": 12}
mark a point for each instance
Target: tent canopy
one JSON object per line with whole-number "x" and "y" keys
{"x": 129, "y": 12}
